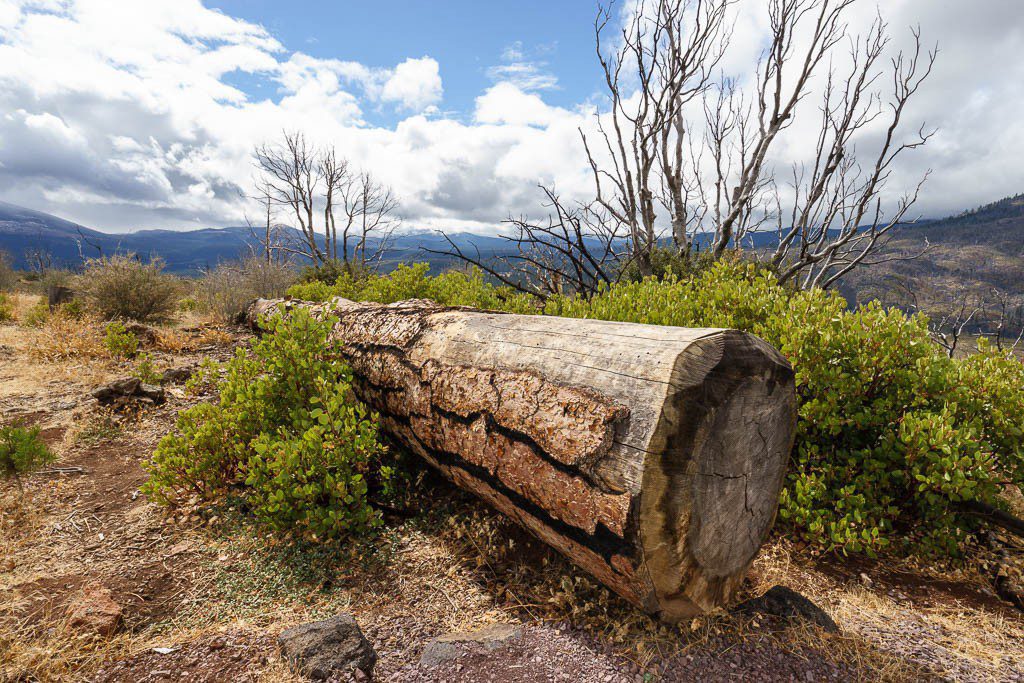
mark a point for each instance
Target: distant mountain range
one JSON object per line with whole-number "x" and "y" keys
{"x": 25, "y": 231}
{"x": 985, "y": 245}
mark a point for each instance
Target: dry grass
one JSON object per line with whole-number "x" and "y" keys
{"x": 954, "y": 637}
{"x": 63, "y": 337}
{"x": 22, "y": 303}
{"x": 178, "y": 340}
{"x": 57, "y": 654}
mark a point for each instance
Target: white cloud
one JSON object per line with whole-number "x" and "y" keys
{"x": 521, "y": 71}
{"x": 508, "y": 103}
{"x": 123, "y": 114}
{"x": 415, "y": 84}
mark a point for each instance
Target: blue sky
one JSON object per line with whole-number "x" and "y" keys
{"x": 467, "y": 38}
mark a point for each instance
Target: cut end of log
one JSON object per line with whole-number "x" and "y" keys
{"x": 650, "y": 456}
{"x": 711, "y": 490}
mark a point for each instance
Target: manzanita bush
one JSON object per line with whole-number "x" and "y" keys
{"x": 892, "y": 434}
{"x": 286, "y": 436}
{"x": 451, "y": 288}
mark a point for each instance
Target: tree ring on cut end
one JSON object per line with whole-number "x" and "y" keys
{"x": 711, "y": 488}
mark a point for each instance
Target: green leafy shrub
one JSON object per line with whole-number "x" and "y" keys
{"x": 40, "y": 312}
{"x": 285, "y": 435}
{"x": 124, "y": 287}
{"x": 667, "y": 261}
{"x": 329, "y": 271}
{"x": 146, "y": 371}
{"x": 451, "y": 288}
{"x": 119, "y": 342}
{"x": 205, "y": 379}
{"x": 22, "y": 451}
{"x": 892, "y": 434}
{"x": 37, "y": 315}
{"x": 73, "y": 309}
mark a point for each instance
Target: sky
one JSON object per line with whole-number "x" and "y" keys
{"x": 124, "y": 115}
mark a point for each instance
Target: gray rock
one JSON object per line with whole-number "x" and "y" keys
{"x": 784, "y": 602}
{"x": 119, "y": 387}
{"x": 146, "y": 334}
{"x": 57, "y": 295}
{"x": 323, "y": 648}
{"x": 176, "y": 375}
{"x": 452, "y": 645}
{"x": 154, "y": 392}
{"x": 122, "y": 392}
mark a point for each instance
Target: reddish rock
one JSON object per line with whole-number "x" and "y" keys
{"x": 95, "y": 611}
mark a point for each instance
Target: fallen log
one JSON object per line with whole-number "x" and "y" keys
{"x": 650, "y": 456}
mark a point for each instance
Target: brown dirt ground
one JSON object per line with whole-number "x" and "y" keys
{"x": 212, "y": 592}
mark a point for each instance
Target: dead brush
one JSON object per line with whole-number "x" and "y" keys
{"x": 63, "y": 337}
{"x": 171, "y": 340}
{"x": 57, "y": 653}
{"x": 21, "y": 304}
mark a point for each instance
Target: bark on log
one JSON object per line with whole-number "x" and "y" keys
{"x": 650, "y": 456}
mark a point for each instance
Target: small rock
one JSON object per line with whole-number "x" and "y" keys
{"x": 95, "y": 611}
{"x": 119, "y": 387}
{"x": 446, "y": 647}
{"x": 146, "y": 334}
{"x": 866, "y": 580}
{"x": 154, "y": 392}
{"x": 176, "y": 375}
{"x": 323, "y": 648}
{"x": 785, "y": 602}
{"x": 121, "y": 392}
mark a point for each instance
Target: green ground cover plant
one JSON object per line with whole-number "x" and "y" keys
{"x": 6, "y": 308}
{"x": 450, "y": 288}
{"x": 119, "y": 342}
{"x": 22, "y": 451}
{"x": 285, "y": 436}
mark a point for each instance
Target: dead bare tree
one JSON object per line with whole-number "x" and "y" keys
{"x": 683, "y": 152}
{"x": 38, "y": 259}
{"x": 948, "y": 329}
{"x": 311, "y": 182}
{"x": 371, "y": 217}
{"x": 664, "y": 58}
{"x": 92, "y": 243}
{"x": 575, "y": 250}
{"x": 292, "y": 173}
{"x": 336, "y": 176}
{"x": 838, "y": 219}
{"x": 1006, "y": 313}
{"x": 951, "y": 311}
{"x": 268, "y": 235}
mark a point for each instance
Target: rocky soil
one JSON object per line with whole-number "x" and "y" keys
{"x": 97, "y": 583}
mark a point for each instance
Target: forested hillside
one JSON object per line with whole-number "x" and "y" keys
{"x": 962, "y": 270}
